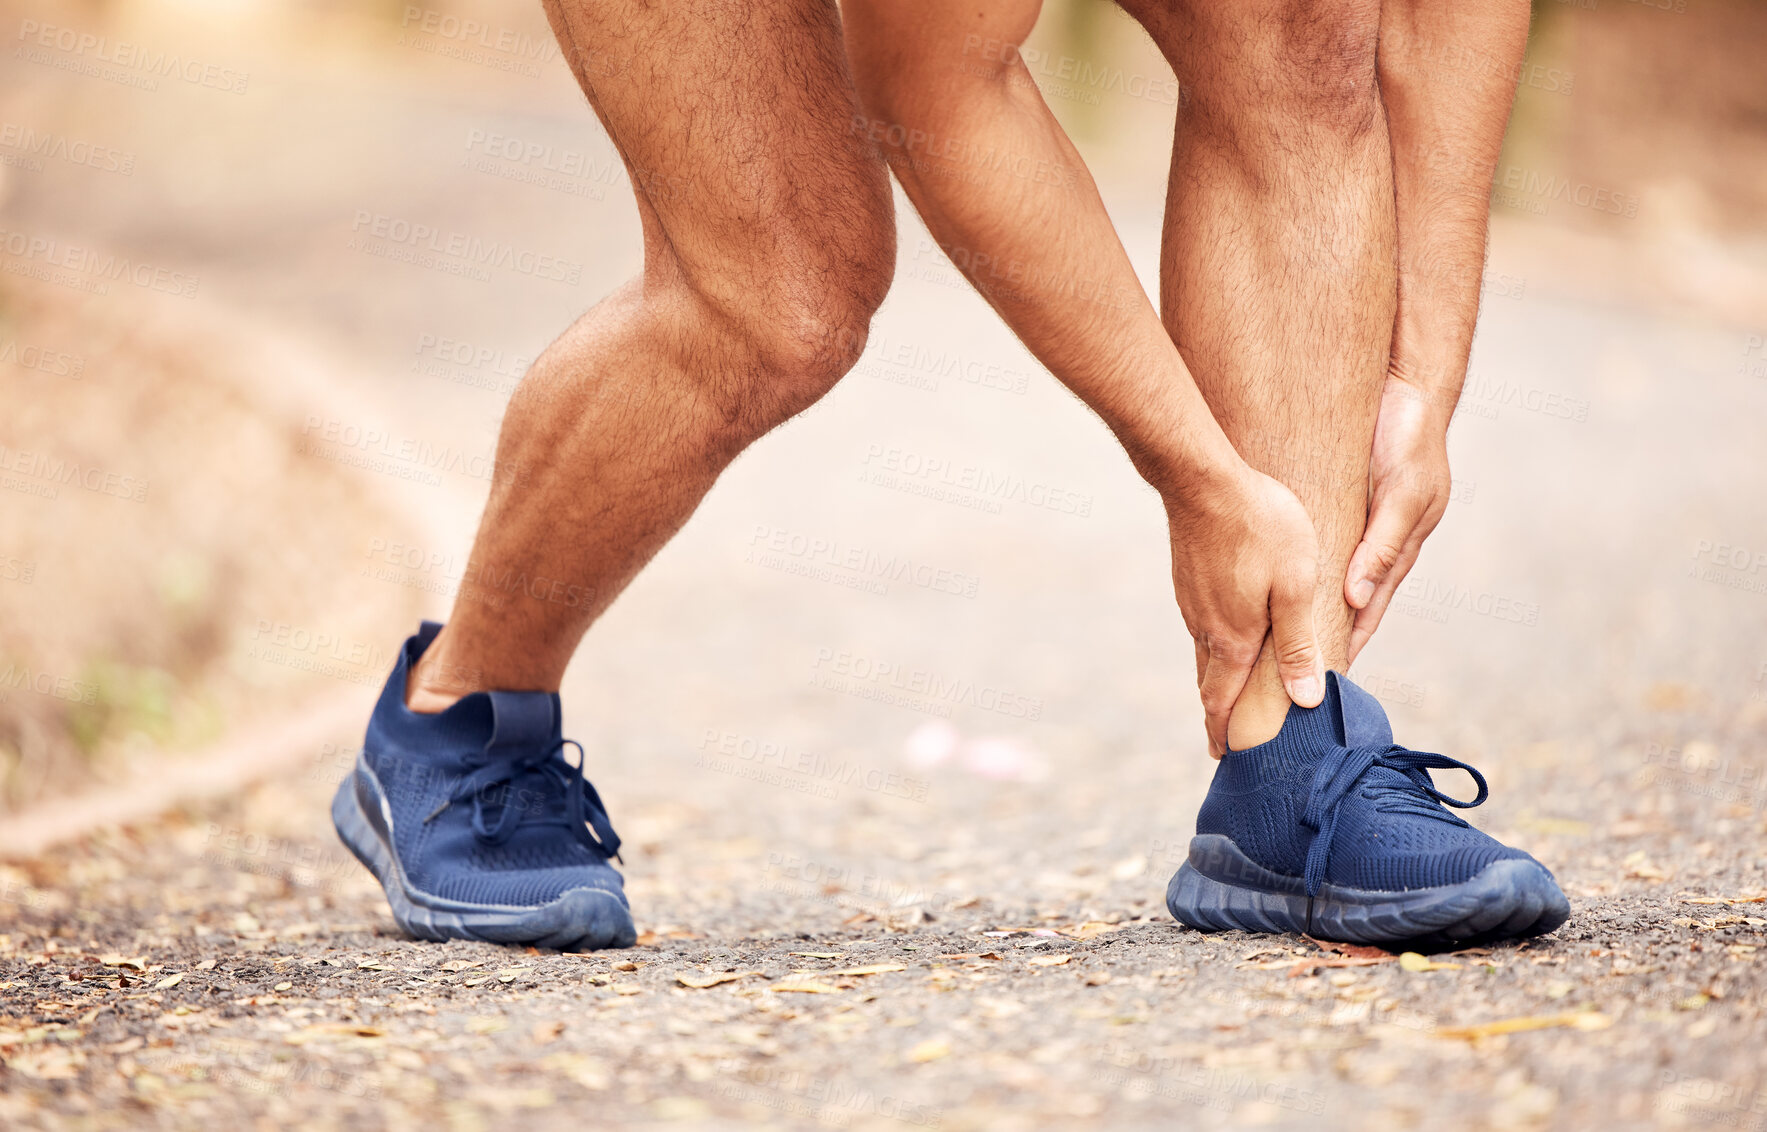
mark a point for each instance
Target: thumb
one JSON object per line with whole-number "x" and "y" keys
{"x": 1297, "y": 646}
{"x": 1382, "y": 545}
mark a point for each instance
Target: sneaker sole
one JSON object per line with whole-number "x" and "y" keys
{"x": 583, "y": 919}
{"x": 1220, "y": 889}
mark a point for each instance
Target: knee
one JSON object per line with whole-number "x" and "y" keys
{"x": 1318, "y": 62}
{"x": 1328, "y": 50}
{"x": 792, "y": 322}
{"x": 801, "y": 340}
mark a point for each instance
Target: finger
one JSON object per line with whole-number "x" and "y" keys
{"x": 1230, "y": 666}
{"x": 1390, "y": 527}
{"x": 1298, "y": 658}
{"x": 1202, "y": 670}
{"x": 1368, "y": 618}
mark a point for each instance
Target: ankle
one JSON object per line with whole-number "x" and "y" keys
{"x": 1258, "y": 715}
{"x": 424, "y": 701}
{"x": 428, "y": 691}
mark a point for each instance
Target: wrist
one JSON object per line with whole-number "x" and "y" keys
{"x": 1199, "y": 477}
{"x": 1432, "y": 341}
{"x": 1431, "y": 385}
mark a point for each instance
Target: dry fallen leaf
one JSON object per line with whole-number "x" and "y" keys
{"x": 654, "y": 935}
{"x": 1129, "y": 868}
{"x": 137, "y": 962}
{"x": 930, "y": 1050}
{"x": 51, "y": 1062}
{"x": 1050, "y": 960}
{"x": 282, "y": 987}
{"x": 625, "y": 965}
{"x": 711, "y": 979}
{"x": 1301, "y": 968}
{"x": 328, "y": 1030}
{"x": 585, "y": 1071}
{"x": 804, "y": 986}
{"x": 34, "y": 1034}
{"x": 1353, "y": 950}
{"x": 547, "y": 1032}
{"x": 871, "y": 969}
{"x": 169, "y": 982}
{"x": 820, "y": 954}
{"x": 1412, "y": 961}
{"x": 1637, "y": 868}
{"x": 1263, "y": 951}
{"x": 1576, "y": 1020}
{"x": 461, "y": 964}
{"x": 206, "y": 965}
{"x": 1669, "y": 695}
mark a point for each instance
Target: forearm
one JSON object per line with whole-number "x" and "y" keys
{"x": 1447, "y": 77}
{"x": 1003, "y": 191}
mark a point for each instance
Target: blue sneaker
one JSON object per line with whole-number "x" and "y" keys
{"x": 1334, "y": 830}
{"x": 477, "y": 826}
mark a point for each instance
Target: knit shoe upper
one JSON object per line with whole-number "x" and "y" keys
{"x": 1332, "y": 799}
{"x": 484, "y": 807}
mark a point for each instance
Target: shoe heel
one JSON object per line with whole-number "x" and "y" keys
{"x": 354, "y": 830}
{"x": 364, "y": 843}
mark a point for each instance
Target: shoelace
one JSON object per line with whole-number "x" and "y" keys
{"x": 1341, "y": 770}
{"x": 584, "y": 810}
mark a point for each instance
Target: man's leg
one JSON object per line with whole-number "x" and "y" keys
{"x": 1279, "y": 286}
{"x": 769, "y": 243}
{"x": 1276, "y": 276}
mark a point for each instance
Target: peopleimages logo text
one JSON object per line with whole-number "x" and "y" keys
{"x": 126, "y": 56}
{"x": 93, "y": 266}
{"x": 459, "y": 245}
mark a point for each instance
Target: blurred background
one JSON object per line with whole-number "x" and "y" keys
{"x": 249, "y": 396}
